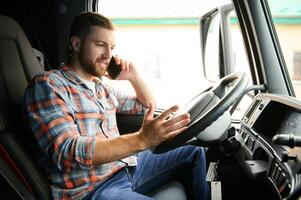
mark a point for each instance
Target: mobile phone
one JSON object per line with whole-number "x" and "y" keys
{"x": 113, "y": 69}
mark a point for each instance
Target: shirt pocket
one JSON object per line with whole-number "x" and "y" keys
{"x": 109, "y": 124}
{"x": 88, "y": 119}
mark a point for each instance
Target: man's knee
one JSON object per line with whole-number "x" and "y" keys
{"x": 193, "y": 152}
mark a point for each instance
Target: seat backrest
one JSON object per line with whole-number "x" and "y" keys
{"x": 18, "y": 65}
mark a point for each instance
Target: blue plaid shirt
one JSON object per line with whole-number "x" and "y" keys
{"x": 66, "y": 118}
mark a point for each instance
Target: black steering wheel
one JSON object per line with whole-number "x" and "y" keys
{"x": 209, "y": 108}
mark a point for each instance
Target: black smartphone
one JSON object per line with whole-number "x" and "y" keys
{"x": 113, "y": 69}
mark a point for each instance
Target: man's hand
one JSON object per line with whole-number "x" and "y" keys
{"x": 152, "y": 133}
{"x": 156, "y": 130}
{"x": 128, "y": 71}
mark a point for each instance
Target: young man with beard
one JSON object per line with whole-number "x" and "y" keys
{"x": 72, "y": 114}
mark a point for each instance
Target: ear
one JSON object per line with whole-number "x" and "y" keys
{"x": 75, "y": 43}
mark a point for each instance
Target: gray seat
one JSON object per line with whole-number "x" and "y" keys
{"x": 18, "y": 65}
{"x": 171, "y": 191}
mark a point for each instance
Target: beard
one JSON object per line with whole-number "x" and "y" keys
{"x": 89, "y": 66}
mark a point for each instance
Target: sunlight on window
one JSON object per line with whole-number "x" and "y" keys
{"x": 162, "y": 39}
{"x": 168, "y": 58}
{"x": 156, "y": 8}
{"x": 287, "y": 19}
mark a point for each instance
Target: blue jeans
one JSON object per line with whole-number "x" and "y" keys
{"x": 186, "y": 164}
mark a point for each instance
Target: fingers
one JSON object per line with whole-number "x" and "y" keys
{"x": 183, "y": 119}
{"x": 171, "y": 126}
{"x": 124, "y": 64}
{"x": 169, "y": 112}
{"x": 176, "y": 132}
{"x": 117, "y": 59}
{"x": 162, "y": 128}
{"x": 176, "y": 125}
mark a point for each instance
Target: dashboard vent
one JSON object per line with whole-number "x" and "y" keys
{"x": 251, "y": 110}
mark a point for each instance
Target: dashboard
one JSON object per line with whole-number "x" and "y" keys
{"x": 269, "y": 116}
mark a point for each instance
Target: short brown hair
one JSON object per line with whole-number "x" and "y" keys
{"x": 81, "y": 24}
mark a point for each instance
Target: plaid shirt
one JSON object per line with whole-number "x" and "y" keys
{"x": 66, "y": 118}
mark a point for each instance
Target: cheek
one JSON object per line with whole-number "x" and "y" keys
{"x": 95, "y": 53}
{"x": 90, "y": 52}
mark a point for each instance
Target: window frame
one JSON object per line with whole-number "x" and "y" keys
{"x": 264, "y": 52}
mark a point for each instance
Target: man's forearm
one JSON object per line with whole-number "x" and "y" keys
{"x": 113, "y": 149}
{"x": 143, "y": 92}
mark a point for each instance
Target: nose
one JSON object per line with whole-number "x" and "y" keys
{"x": 108, "y": 53}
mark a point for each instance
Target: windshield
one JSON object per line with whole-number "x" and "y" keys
{"x": 287, "y": 21}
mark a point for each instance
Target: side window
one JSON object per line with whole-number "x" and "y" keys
{"x": 297, "y": 66}
{"x": 164, "y": 44}
{"x": 240, "y": 60}
{"x": 287, "y": 21}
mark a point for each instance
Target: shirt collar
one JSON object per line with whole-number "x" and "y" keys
{"x": 73, "y": 77}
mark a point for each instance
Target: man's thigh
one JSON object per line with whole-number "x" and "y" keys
{"x": 118, "y": 187}
{"x": 154, "y": 170}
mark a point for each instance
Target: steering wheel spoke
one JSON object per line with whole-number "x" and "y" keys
{"x": 209, "y": 113}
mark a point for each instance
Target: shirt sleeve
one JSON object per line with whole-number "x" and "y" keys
{"x": 52, "y": 121}
{"x": 128, "y": 104}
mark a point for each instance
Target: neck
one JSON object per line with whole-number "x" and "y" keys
{"x": 78, "y": 69}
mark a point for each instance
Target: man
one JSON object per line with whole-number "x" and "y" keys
{"x": 72, "y": 114}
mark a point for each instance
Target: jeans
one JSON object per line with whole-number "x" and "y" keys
{"x": 186, "y": 164}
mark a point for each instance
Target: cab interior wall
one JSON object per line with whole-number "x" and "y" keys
{"x": 44, "y": 23}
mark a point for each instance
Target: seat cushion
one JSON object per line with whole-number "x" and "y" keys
{"x": 171, "y": 191}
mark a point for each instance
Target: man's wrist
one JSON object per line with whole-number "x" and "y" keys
{"x": 134, "y": 78}
{"x": 141, "y": 142}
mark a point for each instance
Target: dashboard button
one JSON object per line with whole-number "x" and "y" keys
{"x": 274, "y": 170}
{"x": 281, "y": 179}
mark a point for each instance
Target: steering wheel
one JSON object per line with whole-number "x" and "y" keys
{"x": 208, "y": 109}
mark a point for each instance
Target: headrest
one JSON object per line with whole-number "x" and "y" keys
{"x": 11, "y": 31}
{"x": 18, "y": 65}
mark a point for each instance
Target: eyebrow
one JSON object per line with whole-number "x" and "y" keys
{"x": 101, "y": 41}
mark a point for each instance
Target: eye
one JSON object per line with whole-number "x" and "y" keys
{"x": 100, "y": 44}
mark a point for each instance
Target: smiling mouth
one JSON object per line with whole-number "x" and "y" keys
{"x": 103, "y": 63}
